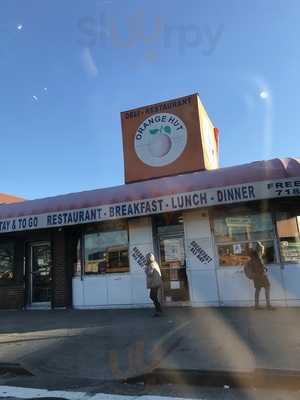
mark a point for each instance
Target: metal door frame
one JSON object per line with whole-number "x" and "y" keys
{"x": 30, "y": 302}
{"x": 175, "y": 235}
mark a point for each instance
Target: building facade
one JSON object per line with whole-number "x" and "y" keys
{"x": 87, "y": 250}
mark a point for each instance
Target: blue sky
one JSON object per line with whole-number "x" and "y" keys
{"x": 69, "y": 68}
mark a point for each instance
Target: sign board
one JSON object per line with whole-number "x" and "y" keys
{"x": 168, "y": 138}
{"x": 209, "y": 143}
{"x": 181, "y": 201}
{"x": 238, "y": 221}
{"x": 173, "y": 250}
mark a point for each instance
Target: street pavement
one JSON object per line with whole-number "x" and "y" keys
{"x": 72, "y": 349}
{"x": 163, "y": 393}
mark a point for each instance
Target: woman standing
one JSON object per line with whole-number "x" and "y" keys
{"x": 153, "y": 274}
{"x": 260, "y": 278}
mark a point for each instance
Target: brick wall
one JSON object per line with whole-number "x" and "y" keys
{"x": 12, "y": 297}
{"x": 12, "y": 293}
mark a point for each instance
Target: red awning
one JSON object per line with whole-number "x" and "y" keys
{"x": 247, "y": 173}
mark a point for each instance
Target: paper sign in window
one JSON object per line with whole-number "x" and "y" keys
{"x": 172, "y": 250}
{"x": 175, "y": 285}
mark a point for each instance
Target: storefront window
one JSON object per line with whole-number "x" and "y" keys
{"x": 236, "y": 234}
{"x": 7, "y": 267}
{"x": 106, "y": 252}
{"x": 289, "y": 238}
{"x": 77, "y": 263}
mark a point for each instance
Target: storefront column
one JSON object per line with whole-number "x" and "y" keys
{"x": 201, "y": 262}
{"x": 60, "y": 284}
{"x": 141, "y": 243}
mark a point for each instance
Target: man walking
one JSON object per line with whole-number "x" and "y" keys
{"x": 154, "y": 282}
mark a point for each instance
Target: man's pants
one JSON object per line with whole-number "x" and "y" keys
{"x": 154, "y": 298}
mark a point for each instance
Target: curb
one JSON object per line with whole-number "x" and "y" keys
{"x": 13, "y": 368}
{"x": 263, "y": 378}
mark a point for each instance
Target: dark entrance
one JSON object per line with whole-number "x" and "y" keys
{"x": 40, "y": 275}
{"x": 170, "y": 247}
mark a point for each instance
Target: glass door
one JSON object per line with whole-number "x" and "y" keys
{"x": 170, "y": 248}
{"x": 173, "y": 268}
{"x": 40, "y": 274}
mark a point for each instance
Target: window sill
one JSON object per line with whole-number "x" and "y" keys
{"x": 242, "y": 266}
{"x": 10, "y": 283}
{"x": 103, "y": 275}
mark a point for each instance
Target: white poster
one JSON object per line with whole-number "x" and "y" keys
{"x": 175, "y": 285}
{"x": 172, "y": 250}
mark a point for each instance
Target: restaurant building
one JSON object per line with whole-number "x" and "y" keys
{"x": 87, "y": 249}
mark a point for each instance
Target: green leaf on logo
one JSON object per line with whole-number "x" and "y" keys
{"x": 153, "y": 131}
{"x": 167, "y": 129}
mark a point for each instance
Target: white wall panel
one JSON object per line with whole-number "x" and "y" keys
{"x": 119, "y": 289}
{"x": 95, "y": 291}
{"x": 196, "y": 224}
{"x": 291, "y": 278}
{"x": 140, "y": 242}
{"x": 77, "y": 292}
{"x": 140, "y": 230}
{"x": 234, "y": 285}
{"x": 200, "y": 258}
{"x": 203, "y": 287}
{"x": 277, "y": 285}
{"x": 140, "y": 293}
{"x": 198, "y": 240}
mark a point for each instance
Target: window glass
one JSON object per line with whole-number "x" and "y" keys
{"x": 243, "y": 227}
{"x": 236, "y": 234}
{"x": 7, "y": 255}
{"x": 169, "y": 223}
{"x": 238, "y": 253}
{"x": 167, "y": 219}
{"x": 106, "y": 252}
{"x": 289, "y": 237}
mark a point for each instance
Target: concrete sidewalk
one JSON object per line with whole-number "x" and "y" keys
{"x": 117, "y": 344}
